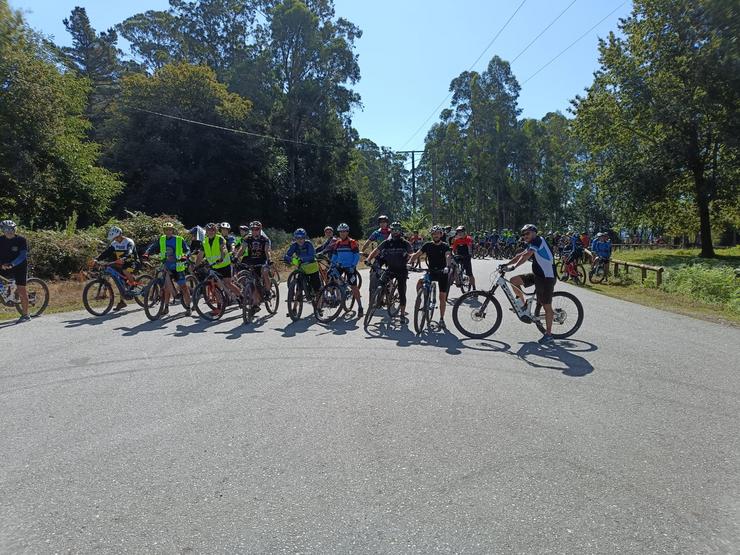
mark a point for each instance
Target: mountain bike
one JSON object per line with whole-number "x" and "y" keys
{"x": 38, "y": 295}
{"x": 599, "y": 270}
{"x": 212, "y": 297}
{"x": 154, "y": 305}
{"x": 478, "y": 314}
{"x": 571, "y": 268}
{"x": 335, "y": 296}
{"x": 426, "y": 302}
{"x": 458, "y": 275}
{"x": 385, "y": 294}
{"x": 250, "y": 281}
{"x": 299, "y": 291}
{"x": 98, "y": 296}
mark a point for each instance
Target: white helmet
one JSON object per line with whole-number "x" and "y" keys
{"x": 114, "y": 232}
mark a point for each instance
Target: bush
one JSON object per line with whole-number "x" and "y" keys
{"x": 280, "y": 239}
{"x": 711, "y": 284}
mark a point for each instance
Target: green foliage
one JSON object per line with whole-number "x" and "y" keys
{"x": 710, "y": 284}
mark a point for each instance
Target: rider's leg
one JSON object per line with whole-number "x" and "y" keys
{"x": 232, "y": 286}
{"x": 23, "y": 297}
{"x": 402, "y": 285}
{"x": 266, "y": 278}
{"x": 517, "y": 282}
{"x": 548, "y": 317}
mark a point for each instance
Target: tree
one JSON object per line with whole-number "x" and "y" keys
{"x": 661, "y": 119}
{"x": 48, "y": 169}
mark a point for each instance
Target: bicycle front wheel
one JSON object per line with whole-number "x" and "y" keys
{"x": 329, "y": 303}
{"x": 154, "y": 299}
{"x": 392, "y": 299}
{"x": 97, "y": 296}
{"x": 209, "y": 301}
{"x": 141, "y": 282}
{"x": 567, "y": 315}
{"x": 597, "y": 274}
{"x": 372, "y": 306}
{"x": 477, "y": 314}
{"x": 421, "y": 310}
{"x": 295, "y": 299}
{"x": 38, "y": 297}
{"x": 272, "y": 304}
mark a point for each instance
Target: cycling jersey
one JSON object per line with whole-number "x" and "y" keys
{"x": 436, "y": 254}
{"x": 305, "y": 253}
{"x": 380, "y": 235}
{"x": 255, "y": 250}
{"x": 345, "y": 253}
{"x": 13, "y": 251}
{"x": 463, "y": 246}
{"x": 395, "y": 254}
{"x": 542, "y": 264}
{"x": 123, "y": 249}
{"x": 326, "y": 245}
{"x": 602, "y": 249}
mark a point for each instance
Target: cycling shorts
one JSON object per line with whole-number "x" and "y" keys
{"x": 442, "y": 280}
{"x": 543, "y": 287}
{"x": 224, "y": 272}
{"x": 18, "y": 273}
{"x": 350, "y": 274}
{"x": 467, "y": 263}
{"x": 176, "y": 277}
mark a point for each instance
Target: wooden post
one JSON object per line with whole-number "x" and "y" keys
{"x": 644, "y": 273}
{"x": 659, "y": 277}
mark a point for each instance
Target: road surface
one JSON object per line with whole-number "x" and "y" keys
{"x": 178, "y": 436}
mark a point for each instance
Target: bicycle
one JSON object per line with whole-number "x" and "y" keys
{"x": 212, "y": 291}
{"x": 426, "y": 302}
{"x": 599, "y": 270}
{"x": 98, "y": 296}
{"x": 299, "y": 290}
{"x": 154, "y": 305}
{"x": 251, "y": 282}
{"x": 385, "y": 295}
{"x": 335, "y": 296}
{"x": 458, "y": 276}
{"x": 478, "y": 314}
{"x": 38, "y": 295}
{"x": 571, "y": 268}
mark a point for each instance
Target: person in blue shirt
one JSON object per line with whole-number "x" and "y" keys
{"x": 172, "y": 250}
{"x": 345, "y": 254}
{"x": 328, "y": 240}
{"x": 301, "y": 253}
{"x": 602, "y": 246}
{"x": 380, "y": 234}
{"x": 14, "y": 263}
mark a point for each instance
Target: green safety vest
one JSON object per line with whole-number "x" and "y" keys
{"x": 212, "y": 252}
{"x": 180, "y": 266}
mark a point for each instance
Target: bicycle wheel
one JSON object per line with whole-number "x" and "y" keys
{"x": 580, "y": 279}
{"x": 154, "y": 299}
{"x": 348, "y": 299}
{"x": 295, "y": 299}
{"x": 97, "y": 296}
{"x": 329, "y": 303}
{"x": 247, "y": 296}
{"x": 432, "y": 303}
{"x": 568, "y": 311}
{"x": 465, "y": 286}
{"x": 192, "y": 282}
{"x": 421, "y": 310}
{"x": 209, "y": 301}
{"x": 272, "y": 304}
{"x": 138, "y": 291}
{"x": 393, "y": 301}
{"x": 38, "y": 297}
{"x": 477, "y": 314}
{"x": 372, "y": 306}
{"x": 597, "y": 274}
{"x": 359, "y": 280}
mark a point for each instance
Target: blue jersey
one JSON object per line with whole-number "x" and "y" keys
{"x": 542, "y": 264}
{"x": 170, "y": 260}
{"x": 380, "y": 235}
{"x": 305, "y": 252}
{"x": 602, "y": 249}
{"x": 345, "y": 253}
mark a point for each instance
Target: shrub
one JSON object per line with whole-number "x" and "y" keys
{"x": 711, "y": 284}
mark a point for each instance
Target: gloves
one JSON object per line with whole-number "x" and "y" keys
{"x": 446, "y": 271}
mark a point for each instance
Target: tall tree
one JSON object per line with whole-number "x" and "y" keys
{"x": 662, "y": 118}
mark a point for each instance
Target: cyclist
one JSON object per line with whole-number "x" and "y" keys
{"x": 216, "y": 253}
{"x": 172, "y": 250}
{"x": 345, "y": 253}
{"x": 122, "y": 252}
{"x": 416, "y": 241}
{"x": 302, "y": 252}
{"x": 197, "y": 234}
{"x": 439, "y": 256}
{"x": 462, "y": 248}
{"x": 542, "y": 275}
{"x": 395, "y": 252}
{"x": 255, "y": 253}
{"x": 602, "y": 247}
{"x": 449, "y": 234}
{"x": 379, "y": 235}
{"x": 224, "y": 229}
{"x": 328, "y": 240}
{"x": 14, "y": 263}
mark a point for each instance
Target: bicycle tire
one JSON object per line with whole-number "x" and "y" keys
{"x": 154, "y": 299}
{"x": 247, "y": 296}
{"x": 213, "y": 303}
{"x": 579, "y": 319}
{"x": 33, "y": 295}
{"x": 421, "y": 310}
{"x": 274, "y": 302}
{"x": 392, "y": 299}
{"x": 102, "y": 284}
{"x": 372, "y": 306}
{"x": 143, "y": 280}
{"x": 295, "y": 299}
{"x": 330, "y": 303}
{"x": 469, "y": 305}
{"x": 432, "y": 303}
{"x": 597, "y": 277}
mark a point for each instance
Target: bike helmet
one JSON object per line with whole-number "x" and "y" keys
{"x": 436, "y": 229}
{"x": 342, "y": 227}
{"x": 329, "y": 228}
{"x": 243, "y": 228}
{"x": 224, "y": 225}
{"x": 528, "y": 227}
{"x": 396, "y": 228}
{"x": 114, "y": 232}
{"x": 300, "y": 233}
{"x": 211, "y": 226}
{"x": 256, "y": 224}
{"x": 168, "y": 225}
{"x": 448, "y": 228}
{"x": 197, "y": 232}
{"x": 7, "y": 225}
{"x": 460, "y": 228}
{"x": 383, "y": 218}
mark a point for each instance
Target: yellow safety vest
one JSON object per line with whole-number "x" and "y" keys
{"x": 212, "y": 252}
{"x": 180, "y": 266}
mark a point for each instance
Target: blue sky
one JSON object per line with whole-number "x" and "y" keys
{"x": 411, "y": 50}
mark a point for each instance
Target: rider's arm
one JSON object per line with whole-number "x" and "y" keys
{"x": 106, "y": 254}
{"x": 520, "y": 258}
{"x": 20, "y": 259}
{"x": 373, "y": 254}
{"x": 288, "y": 258}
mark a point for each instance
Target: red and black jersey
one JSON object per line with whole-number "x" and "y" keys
{"x": 463, "y": 246}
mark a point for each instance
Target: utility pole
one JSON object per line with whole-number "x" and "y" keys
{"x": 413, "y": 154}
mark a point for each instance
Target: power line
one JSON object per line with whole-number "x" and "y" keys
{"x": 543, "y": 31}
{"x": 572, "y": 44}
{"x": 434, "y": 112}
{"x": 239, "y": 131}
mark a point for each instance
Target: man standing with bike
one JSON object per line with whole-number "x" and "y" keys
{"x": 302, "y": 253}
{"x": 216, "y": 252}
{"x": 345, "y": 254}
{"x": 14, "y": 263}
{"x": 542, "y": 275}
{"x": 462, "y": 247}
{"x": 395, "y": 253}
{"x": 254, "y": 253}
{"x": 122, "y": 252}
{"x": 173, "y": 251}
{"x": 438, "y": 259}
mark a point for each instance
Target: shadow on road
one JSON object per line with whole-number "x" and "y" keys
{"x": 95, "y": 320}
{"x": 294, "y": 328}
{"x": 246, "y": 329}
{"x": 145, "y": 326}
{"x": 558, "y": 356}
{"x": 341, "y": 326}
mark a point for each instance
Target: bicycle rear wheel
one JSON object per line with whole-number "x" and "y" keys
{"x": 372, "y": 306}
{"x": 597, "y": 273}
{"x": 97, "y": 296}
{"x": 568, "y": 315}
{"x": 477, "y": 314}
{"x": 209, "y": 301}
{"x": 38, "y": 297}
{"x": 154, "y": 299}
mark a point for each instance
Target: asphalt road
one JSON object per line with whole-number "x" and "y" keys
{"x": 118, "y": 434}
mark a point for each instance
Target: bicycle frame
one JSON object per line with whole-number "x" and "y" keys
{"x": 525, "y": 315}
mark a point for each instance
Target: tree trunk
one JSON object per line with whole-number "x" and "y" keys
{"x": 705, "y": 227}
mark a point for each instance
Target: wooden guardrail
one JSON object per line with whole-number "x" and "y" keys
{"x": 644, "y": 269}
{"x": 636, "y": 246}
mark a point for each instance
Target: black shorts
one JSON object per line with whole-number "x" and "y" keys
{"x": 350, "y": 274}
{"x": 18, "y": 273}
{"x": 177, "y": 277}
{"x": 224, "y": 272}
{"x": 442, "y": 280}
{"x": 467, "y": 263}
{"x": 543, "y": 287}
